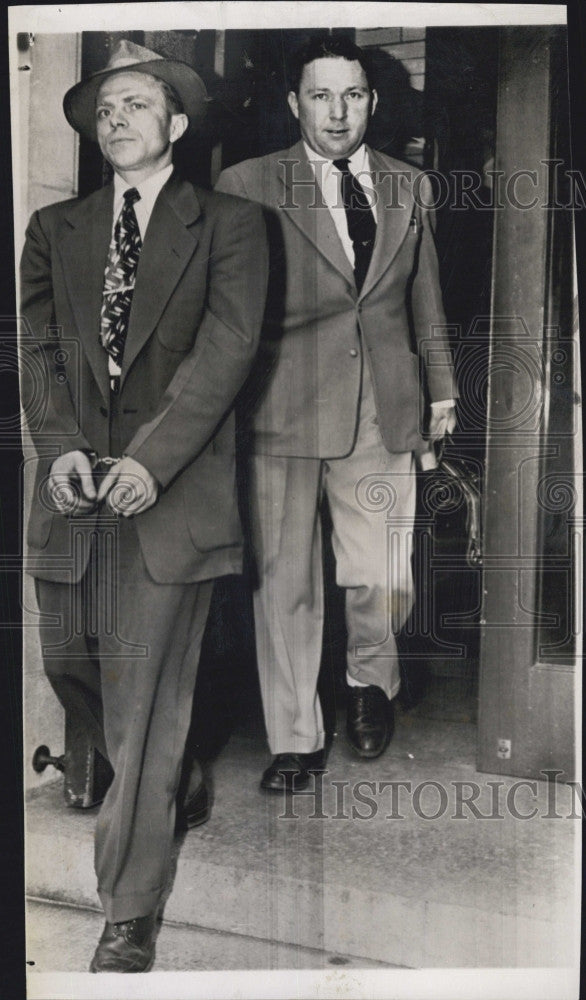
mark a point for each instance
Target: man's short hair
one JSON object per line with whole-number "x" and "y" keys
{"x": 172, "y": 99}
{"x": 327, "y": 47}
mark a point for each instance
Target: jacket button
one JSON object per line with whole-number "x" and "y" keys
{"x": 353, "y": 352}
{"x": 103, "y": 411}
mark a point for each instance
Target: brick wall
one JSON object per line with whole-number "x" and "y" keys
{"x": 406, "y": 44}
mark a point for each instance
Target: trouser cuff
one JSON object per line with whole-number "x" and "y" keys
{"x": 299, "y": 746}
{"x": 122, "y": 908}
{"x": 390, "y": 688}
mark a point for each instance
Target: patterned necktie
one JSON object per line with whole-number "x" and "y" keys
{"x": 119, "y": 278}
{"x": 360, "y": 220}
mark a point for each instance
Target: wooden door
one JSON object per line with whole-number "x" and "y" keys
{"x": 528, "y": 636}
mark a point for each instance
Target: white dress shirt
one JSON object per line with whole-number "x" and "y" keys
{"x": 329, "y": 179}
{"x": 149, "y": 191}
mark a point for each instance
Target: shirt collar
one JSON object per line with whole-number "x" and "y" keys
{"x": 358, "y": 162}
{"x": 148, "y": 189}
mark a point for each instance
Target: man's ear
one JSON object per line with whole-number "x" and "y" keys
{"x": 373, "y": 101}
{"x": 178, "y": 126}
{"x": 293, "y": 103}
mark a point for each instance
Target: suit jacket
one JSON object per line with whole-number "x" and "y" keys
{"x": 193, "y": 334}
{"x": 305, "y": 392}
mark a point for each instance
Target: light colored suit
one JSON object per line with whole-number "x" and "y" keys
{"x": 126, "y": 600}
{"x": 340, "y": 376}
{"x": 314, "y": 317}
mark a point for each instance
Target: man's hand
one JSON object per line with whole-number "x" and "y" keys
{"x": 71, "y": 483}
{"x": 442, "y": 420}
{"x": 128, "y": 488}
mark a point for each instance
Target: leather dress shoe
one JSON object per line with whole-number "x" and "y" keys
{"x": 370, "y": 720}
{"x": 126, "y": 947}
{"x": 289, "y": 772}
{"x": 193, "y": 805}
{"x": 196, "y": 807}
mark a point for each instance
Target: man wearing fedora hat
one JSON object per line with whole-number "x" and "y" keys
{"x": 142, "y": 308}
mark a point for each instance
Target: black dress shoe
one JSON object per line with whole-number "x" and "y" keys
{"x": 289, "y": 772}
{"x": 370, "y": 720}
{"x": 127, "y": 946}
{"x": 193, "y": 806}
{"x": 196, "y": 807}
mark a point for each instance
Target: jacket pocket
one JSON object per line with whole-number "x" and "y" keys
{"x": 210, "y": 503}
{"x": 39, "y": 528}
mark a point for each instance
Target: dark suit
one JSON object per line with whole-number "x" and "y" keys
{"x": 342, "y": 377}
{"x": 192, "y": 337}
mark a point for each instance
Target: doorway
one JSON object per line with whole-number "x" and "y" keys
{"x": 473, "y": 115}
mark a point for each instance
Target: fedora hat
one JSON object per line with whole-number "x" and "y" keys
{"x": 79, "y": 103}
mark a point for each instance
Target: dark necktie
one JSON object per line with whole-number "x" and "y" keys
{"x": 360, "y": 220}
{"x": 119, "y": 278}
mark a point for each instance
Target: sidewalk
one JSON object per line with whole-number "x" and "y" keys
{"x": 417, "y": 881}
{"x": 179, "y": 948}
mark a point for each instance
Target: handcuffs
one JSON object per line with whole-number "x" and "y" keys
{"x": 100, "y": 466}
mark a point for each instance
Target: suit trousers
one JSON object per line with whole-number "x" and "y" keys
{"x": 122, "y": 651}
{"x": 371, "y": 494}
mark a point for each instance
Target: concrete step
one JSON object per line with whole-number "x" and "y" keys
{"x": 180, "y": 948}
{"x": 350, "y": 874}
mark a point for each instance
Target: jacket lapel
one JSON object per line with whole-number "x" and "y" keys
{"x": 301, "y": 198}
{"x": 84, "y": 249}
{"x": 168, "y": 247}
{"x": 394, "y": 210}
{"x": 164, "y": 256}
